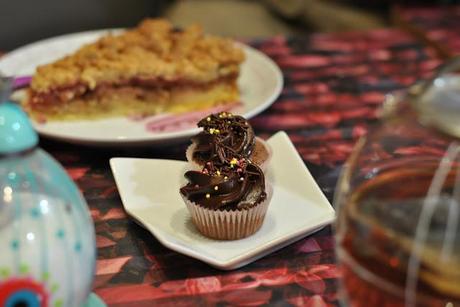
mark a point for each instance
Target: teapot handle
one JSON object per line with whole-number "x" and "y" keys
{"x": 417, "y": 90}
{"x": 452, "y": 65}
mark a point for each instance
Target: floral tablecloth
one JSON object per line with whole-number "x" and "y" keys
{"x": 334, "y": 84}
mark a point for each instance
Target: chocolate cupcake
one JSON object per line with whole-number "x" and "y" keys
{"x": 224, "y": 136}
{"x": 228, "y": 200}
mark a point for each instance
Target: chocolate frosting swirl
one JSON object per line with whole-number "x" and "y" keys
{"x": 237, "y": 184}
{"x": 224, "y": 135}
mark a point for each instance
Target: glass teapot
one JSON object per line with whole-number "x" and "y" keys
{"x": 398, "y": 201}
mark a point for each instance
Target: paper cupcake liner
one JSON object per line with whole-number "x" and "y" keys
{"x": 262, "y": 163}
{"x": 228, "y": 225}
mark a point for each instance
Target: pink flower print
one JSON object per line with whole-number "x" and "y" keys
{"x": 313, "y": 278}
{"x": 77, "y": 172}
{"x": 247, "y": 297}
{"x": 202, "y": 285}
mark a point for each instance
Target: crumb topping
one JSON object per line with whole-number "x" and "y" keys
{"x": 154, "y": 49}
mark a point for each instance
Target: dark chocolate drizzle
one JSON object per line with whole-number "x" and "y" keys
{"x": 224, "y": 136}
{"x": 240, "y": 185}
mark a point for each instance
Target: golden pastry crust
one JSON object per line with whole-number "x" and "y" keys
{"x": 154, "y": 51}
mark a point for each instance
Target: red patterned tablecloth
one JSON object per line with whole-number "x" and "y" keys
{"x": 438, "y": 26}
{"x": 334, "y": 85}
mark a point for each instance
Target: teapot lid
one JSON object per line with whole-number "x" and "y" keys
{"x": 16, "y": 131}
{"x": 438, "y": 100}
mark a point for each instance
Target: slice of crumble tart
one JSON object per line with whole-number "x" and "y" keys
{"x": 151, "y": 69}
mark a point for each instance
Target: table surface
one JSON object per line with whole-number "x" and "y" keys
{"x": 334, "y": 84}
{"x": 436, "y": 25}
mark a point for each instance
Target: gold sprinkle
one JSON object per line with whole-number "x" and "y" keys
{"x": 212, "y": 131}
{"x": 208, "y": 119}
{"x": 208, "y": 195}
{"x": 234, "y": 161}
{"x": 216, "y": 188}
{"x": 225, "y": 177}
{"x": 218, "y": 173}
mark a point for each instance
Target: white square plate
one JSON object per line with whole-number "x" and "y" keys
{"x": 149, "y": 190}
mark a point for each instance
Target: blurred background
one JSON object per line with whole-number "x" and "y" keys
{"x": 24, "y": 21}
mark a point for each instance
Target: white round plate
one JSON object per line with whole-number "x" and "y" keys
{"x": 260, "y": 83}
